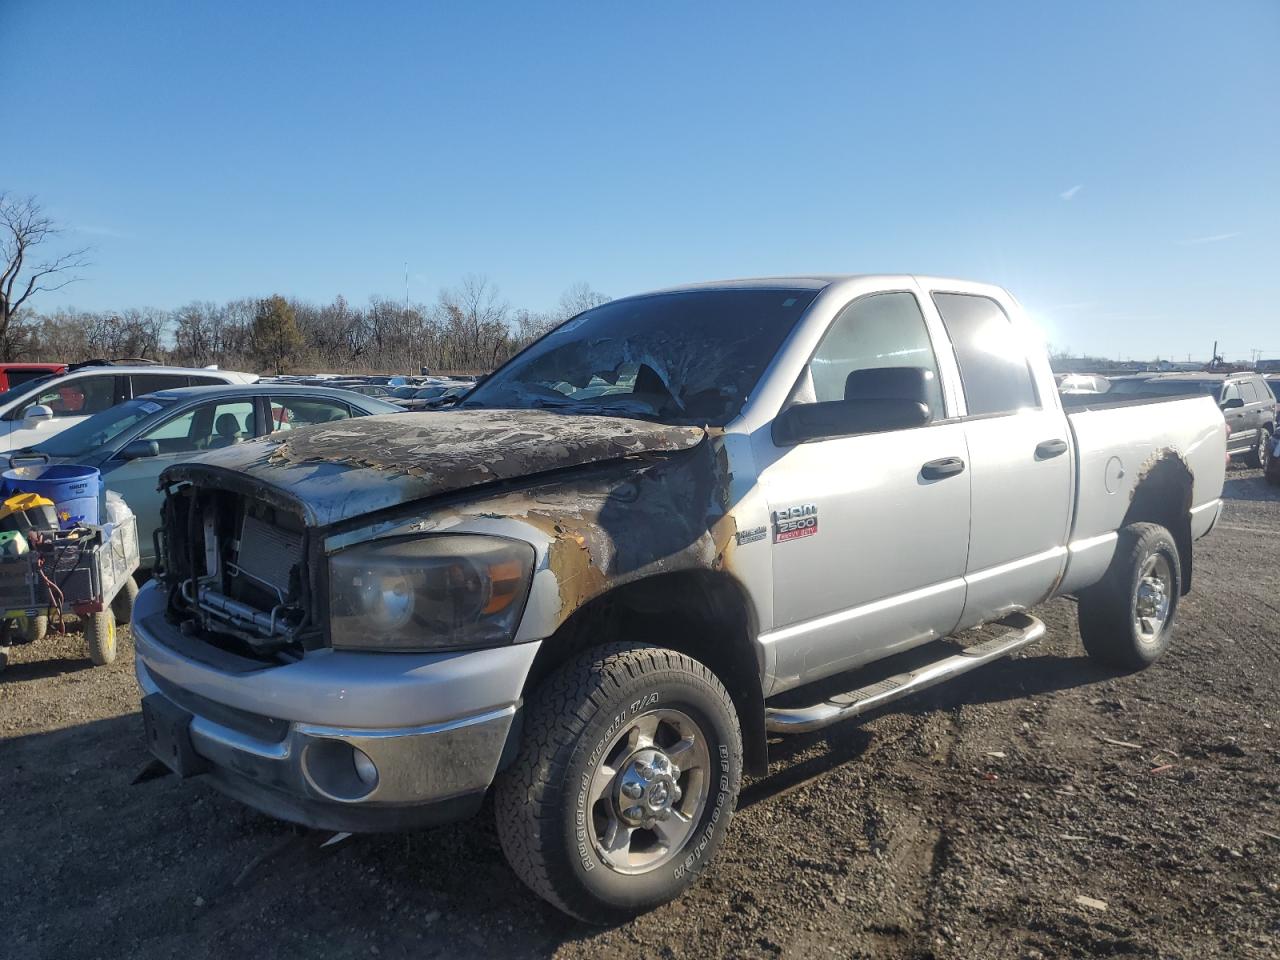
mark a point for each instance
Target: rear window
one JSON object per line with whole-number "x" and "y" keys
{"x": 1168, "y": 388}
{"x": 993, "y": 361}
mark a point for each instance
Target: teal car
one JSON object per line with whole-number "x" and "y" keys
{"x": 132, "y": 442}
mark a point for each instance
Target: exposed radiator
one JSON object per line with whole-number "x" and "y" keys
{"x": 267, "y": 554}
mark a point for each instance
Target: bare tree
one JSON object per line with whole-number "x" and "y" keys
{"x": 23, "y": 228}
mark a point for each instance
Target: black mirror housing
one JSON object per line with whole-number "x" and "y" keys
{"x": 844, "y": 418}
{"x": 1234, "y": 403}
{"x": 139, "y": 450}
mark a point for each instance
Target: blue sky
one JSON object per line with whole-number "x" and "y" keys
{"x": 1117, "y": 165}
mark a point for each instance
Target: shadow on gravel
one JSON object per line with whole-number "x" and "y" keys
{"x": 1253, "y": 489}
{"x": 43, "y": 669}
{"x": 1014, "y": 680}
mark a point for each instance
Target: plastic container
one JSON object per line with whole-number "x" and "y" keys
{"x": 75, "y": 490}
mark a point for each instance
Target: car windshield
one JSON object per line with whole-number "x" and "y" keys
{"x": 404, "y": 393}
{"x": 102, "y": 428}
{"x": 1167, "y": 388}
{"x": 690, "y": 357}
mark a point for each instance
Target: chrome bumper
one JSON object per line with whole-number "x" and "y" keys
{"x": 413, "y": 776}
{"x": 255, "y": 735}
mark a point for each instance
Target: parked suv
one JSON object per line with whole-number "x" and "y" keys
{"x": 1246, "y": 401}
{"x": 32, "y": 413}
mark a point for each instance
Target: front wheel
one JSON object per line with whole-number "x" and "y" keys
{"x": 1126, "y": 620}
{"x": 1258, "y": 457}
{"x": 625, "y": 783}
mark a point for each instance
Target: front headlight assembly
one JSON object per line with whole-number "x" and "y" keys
{"x": 442, "y": 592}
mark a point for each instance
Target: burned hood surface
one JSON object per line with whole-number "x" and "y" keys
{"x": 346, "y": 469}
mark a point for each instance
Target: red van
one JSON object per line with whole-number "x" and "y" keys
{"x": 16, "y": 374}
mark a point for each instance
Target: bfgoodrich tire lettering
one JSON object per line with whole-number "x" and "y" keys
{"x": 584, "y": 736}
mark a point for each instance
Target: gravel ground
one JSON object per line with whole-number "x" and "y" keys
{"x": 1042, "y": 807}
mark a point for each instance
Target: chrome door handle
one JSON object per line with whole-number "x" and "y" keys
{"x": 939, "y": 469}
{"x": 1046, "y": 449}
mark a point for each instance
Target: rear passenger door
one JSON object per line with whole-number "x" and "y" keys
{"x": 1020, "y": 461}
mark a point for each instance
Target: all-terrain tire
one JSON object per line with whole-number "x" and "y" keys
{"x": 546, "y": 825}
{"x": 1109, "y": 612}
{"x": 122, "y": 604}
{"x": 100, "y": 635}
{"x": 1257, "y": 457}
{"x": 34, "y": 629}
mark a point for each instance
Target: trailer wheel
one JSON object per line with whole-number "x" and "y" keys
{"x": 122, "y": 605}
{"x": 35, "y": 628}
{"x": 100, "y": 635}
{"x": 1126, "y": 620}
{"x": 627, "y": 776}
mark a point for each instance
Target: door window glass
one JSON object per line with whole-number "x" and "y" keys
{"x": 288, "y": 413}
{"x": 1231, "y": 391}
{"x": 79, "y": 397}
{"x": 150, "y": 382}
{"x": 883, "y": 330}
{"x": 993, "y": 361}
{"x": 1247, "y": 393}
{"x": 209, "y": 426}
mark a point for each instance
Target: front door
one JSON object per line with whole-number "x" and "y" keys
{"x": 868, "y": 552}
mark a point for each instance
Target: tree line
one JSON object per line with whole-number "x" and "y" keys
{"x": 469, "y": 327}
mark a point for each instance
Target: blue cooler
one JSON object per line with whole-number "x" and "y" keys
{"x": 74, "y": 490}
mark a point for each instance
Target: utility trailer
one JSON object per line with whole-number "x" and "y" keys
{"x": 87, "y": 571}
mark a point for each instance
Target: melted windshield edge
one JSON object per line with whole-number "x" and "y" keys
{"x": 692, "y": 357}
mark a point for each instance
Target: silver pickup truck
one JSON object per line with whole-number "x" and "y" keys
{"x": 599, "y": 584}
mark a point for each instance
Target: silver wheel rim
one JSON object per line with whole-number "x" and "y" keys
{"x": 648, "y": 791}
{"x": 1153, "y": 597}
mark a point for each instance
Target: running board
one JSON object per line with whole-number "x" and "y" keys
{"x": 1021, "y": 631}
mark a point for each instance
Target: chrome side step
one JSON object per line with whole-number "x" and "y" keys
{"x": 1021, "y": 631}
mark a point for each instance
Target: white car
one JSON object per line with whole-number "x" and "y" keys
{"x": 39, "y": 409}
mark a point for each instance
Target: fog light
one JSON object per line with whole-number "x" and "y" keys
{"x": 365, "y": 769}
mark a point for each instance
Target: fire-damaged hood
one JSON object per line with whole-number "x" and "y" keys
{"x": 350, "y": 468}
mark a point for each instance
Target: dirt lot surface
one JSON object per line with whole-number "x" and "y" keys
{"x": 1040, "y": 808}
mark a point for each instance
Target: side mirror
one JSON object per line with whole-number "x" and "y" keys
{"x": 1233, "y": 404}
{"x": 843, "y": 418}
{"x": 139, "y": 449}
{"x": 36, "y": 414}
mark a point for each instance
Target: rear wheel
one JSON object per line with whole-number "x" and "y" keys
{"x": 34, "y": 629}
{"x": 1259, "y": 456}
{"x": 1126, "y": 620}
{"x": 100, "y": 635}
{"x": 625, "y": 783}
{"x": 122, "y": 605}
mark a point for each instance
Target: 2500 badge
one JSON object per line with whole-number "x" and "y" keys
{"x": 792, "y": 523}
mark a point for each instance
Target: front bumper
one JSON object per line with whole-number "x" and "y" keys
{"x": 295, "y": 768}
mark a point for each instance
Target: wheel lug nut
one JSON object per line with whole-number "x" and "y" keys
{"x": 635, "y": 813}
{"x": 632, "y": 790}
